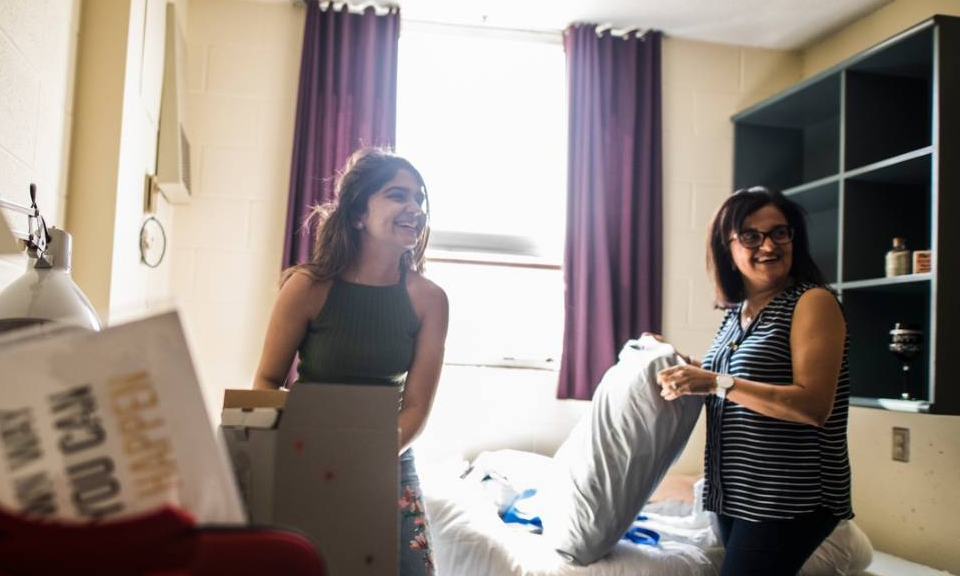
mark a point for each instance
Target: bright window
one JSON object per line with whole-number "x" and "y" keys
{"x": 482, "y": 114}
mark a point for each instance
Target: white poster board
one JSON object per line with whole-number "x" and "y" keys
{"x": 103, "y": 425}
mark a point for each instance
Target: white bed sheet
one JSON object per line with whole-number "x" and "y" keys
{"x": 470, "y": 539}
{"x": 888, "y": 565}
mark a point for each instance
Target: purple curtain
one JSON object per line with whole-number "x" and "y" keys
{"x": 347, "y": 99}
{"x": 613, "y": 253}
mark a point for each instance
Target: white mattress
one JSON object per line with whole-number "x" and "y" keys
{"x": 470, "y": 539}
{"x": 888, "y": 565}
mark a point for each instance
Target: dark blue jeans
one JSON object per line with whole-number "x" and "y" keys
{"x": 772, "y": 548}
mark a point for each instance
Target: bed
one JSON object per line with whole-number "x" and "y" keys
{"x": 615, "y": 460}
{"x": 470, "y": 538}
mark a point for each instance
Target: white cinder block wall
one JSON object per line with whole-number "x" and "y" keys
{"x": 243, "y": 67}
{"x": 704, "y": 84}
{"x": 38, "y": 43}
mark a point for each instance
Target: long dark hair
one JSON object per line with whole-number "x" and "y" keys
{"x": 337, "y": 241}
{"x": 729, "y": 219}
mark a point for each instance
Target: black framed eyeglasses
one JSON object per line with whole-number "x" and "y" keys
{"x": 750, "y": 238}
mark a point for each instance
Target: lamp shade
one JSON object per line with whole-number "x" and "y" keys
{"x": 47, "y": 294}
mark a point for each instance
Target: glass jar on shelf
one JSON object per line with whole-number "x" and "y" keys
{"x": 898, "y": 259}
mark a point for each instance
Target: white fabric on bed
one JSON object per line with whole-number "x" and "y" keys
{"x": 469, "y": 539}
{"x": 887, "y": 565}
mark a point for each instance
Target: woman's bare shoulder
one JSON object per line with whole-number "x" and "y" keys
{"x": 425, "y": 292}
{"x": 818, "y": 296}
{"x": 301, "y": 281}
{"x": 818, "y": 306}
{"x": 306, "y": 291}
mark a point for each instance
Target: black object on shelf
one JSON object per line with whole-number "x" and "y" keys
{"x": 906, "y": 343}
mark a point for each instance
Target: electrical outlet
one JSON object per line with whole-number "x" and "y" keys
{"x": 901, "y": 444}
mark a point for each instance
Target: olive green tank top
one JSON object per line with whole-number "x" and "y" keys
{"x": 362, "y": 335}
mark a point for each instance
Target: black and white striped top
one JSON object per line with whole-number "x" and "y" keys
{"x": 760, "y": 468}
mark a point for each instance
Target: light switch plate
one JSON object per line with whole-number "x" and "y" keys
{"x": 901, "y": 444}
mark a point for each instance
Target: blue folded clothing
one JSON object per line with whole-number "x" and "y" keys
{"x": 523, "y": 510}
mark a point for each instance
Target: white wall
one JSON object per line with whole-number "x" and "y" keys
{"x": 704, "y": 84}
{"x": 119, "y": 77}
{"x": 243, "y": 72}
{"x": 38, "y": 42}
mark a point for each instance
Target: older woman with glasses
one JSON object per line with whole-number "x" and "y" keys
{"x": 776, "y": 465}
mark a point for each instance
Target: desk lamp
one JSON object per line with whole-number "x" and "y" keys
{"x": 45, "y": 293}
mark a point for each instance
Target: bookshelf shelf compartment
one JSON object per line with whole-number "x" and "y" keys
{"x": 871, "y": 150}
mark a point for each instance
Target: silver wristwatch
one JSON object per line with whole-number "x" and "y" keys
{"x": 724, "y": 383}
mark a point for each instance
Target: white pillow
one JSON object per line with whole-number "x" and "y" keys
{"x": 617, "y": 454}
{"x": 847, "y": 550}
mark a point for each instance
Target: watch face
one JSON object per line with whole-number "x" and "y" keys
{"x": 724, "y": 381}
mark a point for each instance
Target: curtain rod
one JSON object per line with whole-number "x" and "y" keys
{"x": 547, "y": 36}
{"x": 380, "y": 8}
{"x": 384, "y": 9}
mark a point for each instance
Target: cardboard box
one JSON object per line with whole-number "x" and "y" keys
{"x": 921, "y": 261}
{"x": 322, "y": 458}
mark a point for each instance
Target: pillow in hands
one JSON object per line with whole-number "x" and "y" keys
{"x": 617, "y": 454}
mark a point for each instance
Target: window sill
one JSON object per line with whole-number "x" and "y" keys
{"x": 491, "y": 259}
{"x": 548, "y": 365}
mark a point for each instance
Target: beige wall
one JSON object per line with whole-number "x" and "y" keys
{"x": 872, "y": 29}
{"x": 37, "y": 54}
{"x": 908, "y": 509}
{"x": 119, "y": 77}
{"x": 704, "y": 84}
{"x": 243, "y": 72}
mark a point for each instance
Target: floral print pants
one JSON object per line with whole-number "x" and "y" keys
{"x": 416, "y": 555}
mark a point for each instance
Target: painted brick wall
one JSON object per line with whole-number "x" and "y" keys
{"x": 37, "y": 54}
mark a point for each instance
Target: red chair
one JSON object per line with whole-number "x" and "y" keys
{"x": 163, "y": 543}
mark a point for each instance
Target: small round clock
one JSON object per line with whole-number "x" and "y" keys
{"x": 153, "y": 242}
